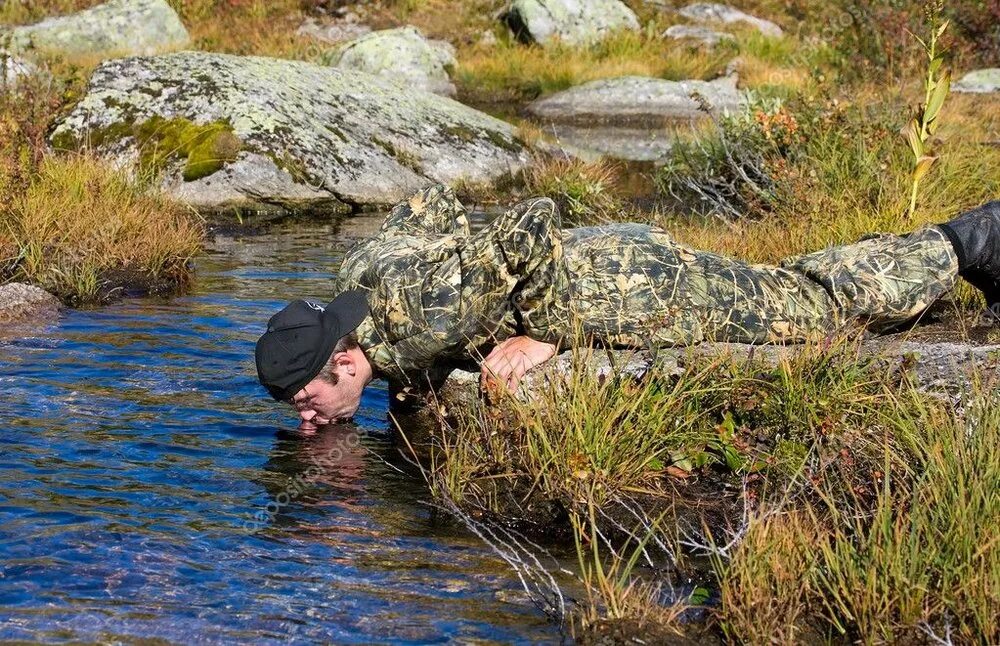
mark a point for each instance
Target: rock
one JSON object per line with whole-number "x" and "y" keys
{"x": 20, "y": 302}
{"x": 701, "y": 35}
{"x": 335, "y": 31}
{"x": 253, "y": 132}
{"x": 576, "y": 22}
{"x": 487, "y": 38}
{"x": 979, "y": 81}
{"x": 13, "y": 68}
{"x": 710, "y": 12}
{"x": 636, "y": 100}
{"x": 940, "y": 369}
{"x": 116, "y": 28}
{"x": 592, "y": 142}
{"x": 402, "y": 55}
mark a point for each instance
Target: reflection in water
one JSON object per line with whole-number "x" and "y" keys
{"x": 147, "y": 487}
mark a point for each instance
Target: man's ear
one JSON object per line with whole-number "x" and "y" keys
{"x": 346, "y": 361}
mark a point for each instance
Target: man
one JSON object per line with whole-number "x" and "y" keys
{"x": 426, "y": 290}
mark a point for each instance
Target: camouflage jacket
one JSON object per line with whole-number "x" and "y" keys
{"x": 439, "y": 292}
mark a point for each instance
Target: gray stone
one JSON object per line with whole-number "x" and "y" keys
{"x": 942, "y": 369}
{"x": 979, "y": 81}
{"x": 26, "y": 303}
{"x": 402, "y": 55}
{"x": 593, "y": 142}
{"x": 336, "y": 31}
{"x": 311, "y": 136}
{"x": 636, "y": 100}
{"x": 116, "y": 28}
{"x": 487, "y": 38}
{"x": 712, "y": 13}
{"x": 700, "y": 35}
{"x": 575, "y": 22}
{"x": 13, "y": 68}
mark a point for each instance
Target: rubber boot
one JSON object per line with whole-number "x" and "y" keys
{"x": 975, "y": 235}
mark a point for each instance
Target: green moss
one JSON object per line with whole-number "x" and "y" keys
{"x": 459, "y": 131}
{"x": 502, "y": 142}
{"x": 206, "y": 147}
{"x": 790, "y": 455}
{"x": 468, "y": 135}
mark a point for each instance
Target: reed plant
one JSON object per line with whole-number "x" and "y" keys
{"x": 920, "y": 129}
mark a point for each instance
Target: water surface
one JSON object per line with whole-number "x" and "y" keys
{"x": 149, "y": 489}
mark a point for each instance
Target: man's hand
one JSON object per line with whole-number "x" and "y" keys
{"x": 512, "y": 359}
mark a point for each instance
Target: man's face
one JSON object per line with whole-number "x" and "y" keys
{"x": 321, "y": 402}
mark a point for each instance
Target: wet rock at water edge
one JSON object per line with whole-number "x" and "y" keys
{"x": 697, "y": 35}
{"x": 979, "y": 81}
{"x": 260, "y": 133}
{"x": 636, "y": 100}
{"x": 402, "y": 55}
{"x": 26, "y": 303}
{"x": 574, "y": 22}
{"x": 714, "y": 13}
{"x": 115, "y": 28}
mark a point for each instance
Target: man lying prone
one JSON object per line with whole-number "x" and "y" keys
{"x": 426, "y": 290}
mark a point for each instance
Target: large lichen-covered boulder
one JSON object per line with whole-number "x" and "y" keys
{"x": 637, "y": 100}
{"x": 714, "y": 13}
{"x": 979, "y": 81}
{"x": 574, "y": 22}
{"x": 251, "y": 132}
{"x": 401, "y": 55}
{"x": 116, "y": 28}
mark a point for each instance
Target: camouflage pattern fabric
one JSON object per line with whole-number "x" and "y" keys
{"x": 438, "y": 291}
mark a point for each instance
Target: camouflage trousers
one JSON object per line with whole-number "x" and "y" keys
{"x": 627, "y": 285}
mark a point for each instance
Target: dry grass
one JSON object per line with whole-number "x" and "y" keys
{"x": 512, "y": 72}
{"x": 79, "y": 222}
{"x": 19, "y": 12}
{"x": 73, "y": 224}
{"x": 849, "y": 177}
{"x": 586, "y": 192}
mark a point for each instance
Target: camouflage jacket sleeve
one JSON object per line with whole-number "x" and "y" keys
{"x": 437, "y": 292}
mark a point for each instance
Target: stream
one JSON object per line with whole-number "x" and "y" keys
{"x": 150, "y": 488}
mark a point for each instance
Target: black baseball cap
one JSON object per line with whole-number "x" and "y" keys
{"x": 300, "y": 338}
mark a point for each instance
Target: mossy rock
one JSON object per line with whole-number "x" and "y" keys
{"x": 402, "y": 55}
{"x": 573, "y": 22}
{"x": 238, "y": 131}
{"x": 115, "y": 28}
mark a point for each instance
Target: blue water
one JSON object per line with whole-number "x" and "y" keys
{"x": 148, "y": 488}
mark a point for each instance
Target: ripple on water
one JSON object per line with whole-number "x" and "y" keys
{"x": 137, "y": 451}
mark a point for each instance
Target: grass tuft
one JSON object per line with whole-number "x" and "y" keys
{"x": 80, "y": 224}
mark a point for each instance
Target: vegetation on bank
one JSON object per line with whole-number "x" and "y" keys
{"x": 860, "y": 507}
{"x": 73, "y": 224}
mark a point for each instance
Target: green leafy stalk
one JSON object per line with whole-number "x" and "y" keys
{"x": 937, "y": 84}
